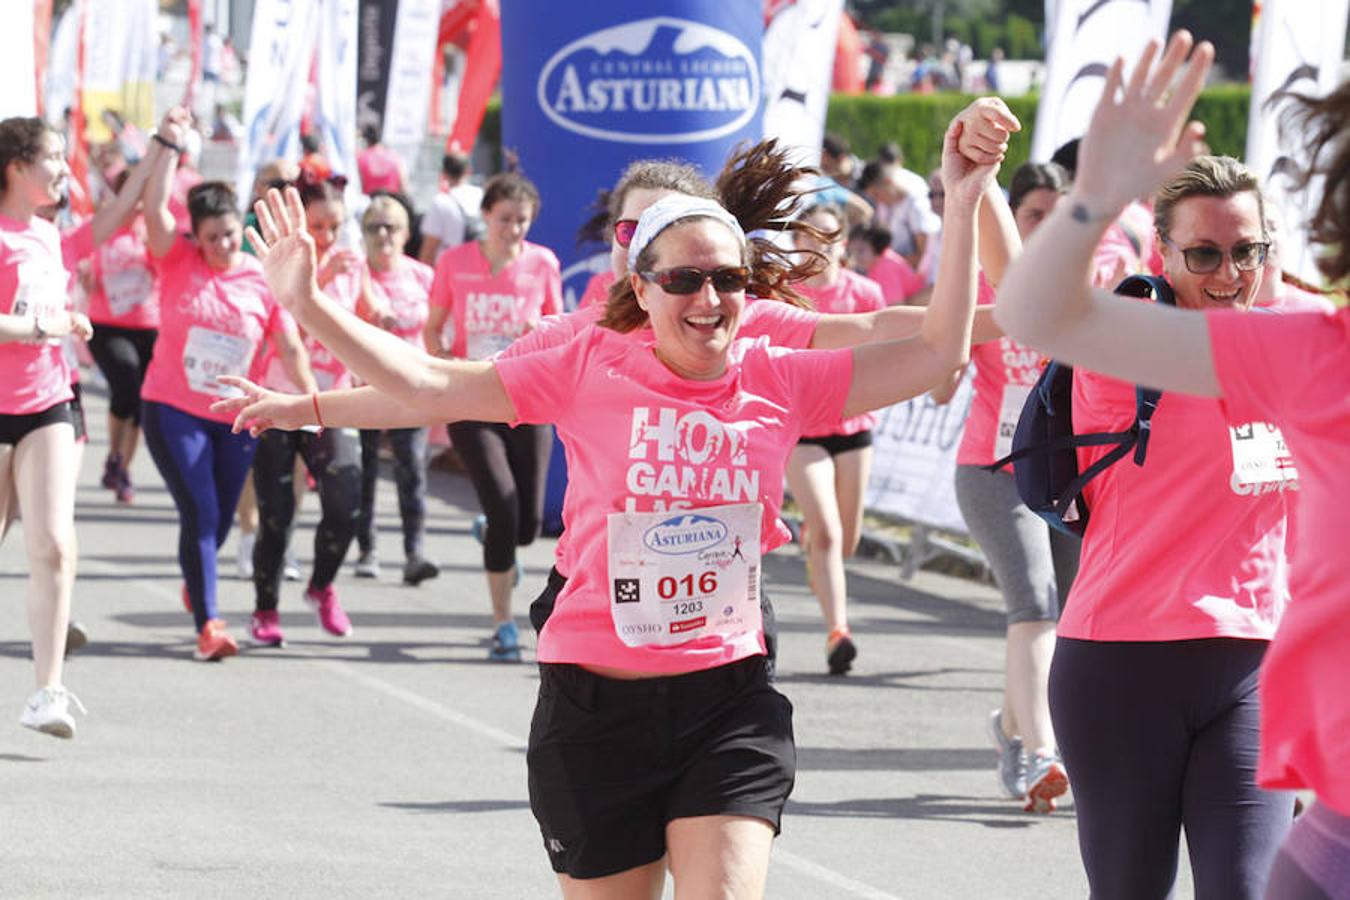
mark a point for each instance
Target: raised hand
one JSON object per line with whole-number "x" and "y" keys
{"x": 175, "y": 124}
{"x": 259, "y": 409}
{"x": 286, "y": 249}
{"x": 964, "y": 179}
{"x": 1139, "y": 135}
{"x": 986, "y": 125}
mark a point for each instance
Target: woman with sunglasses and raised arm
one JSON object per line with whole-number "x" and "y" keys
{"x": 682, "y": 441}
{"x": 485, "y": 294}
{"x": 1183, "y": 578}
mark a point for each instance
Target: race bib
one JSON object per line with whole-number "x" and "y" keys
{"x": 485, "y": 346}
{"x": 42, "y": 293}
{"x": 679, "y": 575}
{"x": 1014, "y": 398}
{"x": 127, "y": 288}
{"x": 208, "y": 354}
{"x": 1260, "y": 455}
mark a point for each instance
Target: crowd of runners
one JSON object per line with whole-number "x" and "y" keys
{"x": 1176, "y": 665}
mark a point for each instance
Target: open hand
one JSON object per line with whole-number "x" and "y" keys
{"x": 286, "y": 249}
{"x": 1139, "y": 136}
{"x": 258, "y": 409}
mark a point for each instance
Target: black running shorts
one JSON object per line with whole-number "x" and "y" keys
{"x": 14, "y": 428}
{"x": 835, "y": 444}
{"x": 612, "y": 762}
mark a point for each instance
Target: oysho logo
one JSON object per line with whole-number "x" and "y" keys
{"x": 653, "y": 81}
{"x": 684, "y": 534}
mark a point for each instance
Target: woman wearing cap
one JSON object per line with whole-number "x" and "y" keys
{"x": 684, "y": 441}
{"x": 1160, "y": 733}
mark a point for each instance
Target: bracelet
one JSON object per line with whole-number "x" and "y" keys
{"x": 318, "y": 417}
{"x": 163, "y": 141}
{"x": 39, "y": 333}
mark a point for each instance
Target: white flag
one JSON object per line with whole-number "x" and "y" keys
{"x": 120, "y": 47}
{"x": 19, "y": 98}
{"x": 798, "y": 54}
{"x": 336, "y": 118}
{"x": 1088, "y": 36}
{"x": 1299, "y": 52}
{"x": 410, "y": 74}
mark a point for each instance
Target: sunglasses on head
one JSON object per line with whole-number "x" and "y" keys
{"x": 624, "y": 229}
{"x": 1202, "y": 260}
{"x": 689, "y": 280}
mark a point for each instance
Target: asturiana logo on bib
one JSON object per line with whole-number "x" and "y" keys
{"x": 653, "y": 81}
{"x": 684, "y": 534}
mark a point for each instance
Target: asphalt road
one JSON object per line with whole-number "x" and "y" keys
{"x": 392, "y": 763}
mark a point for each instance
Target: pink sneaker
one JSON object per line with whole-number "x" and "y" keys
{"x": 265, "y": 626}
{"x": 331, "y": 616}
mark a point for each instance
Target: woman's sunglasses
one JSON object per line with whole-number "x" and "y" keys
{"x": 624, "y": 229}
{"x": 1247, "y": 256}
{"x": 374, "y": 228}
{"x": 689, "y": 280}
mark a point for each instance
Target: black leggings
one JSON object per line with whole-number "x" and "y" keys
{"x": 410, "y": 477}
{"x": 123, "y": 355}
{"x": 1157, "y": 736}
{"x": 333, "y": 458}
{"x": 509, "y": 468}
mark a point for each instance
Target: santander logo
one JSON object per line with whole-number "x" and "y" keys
{"x": 660, "y": 80}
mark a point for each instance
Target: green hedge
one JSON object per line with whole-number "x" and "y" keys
{"x": 916, "y": 122}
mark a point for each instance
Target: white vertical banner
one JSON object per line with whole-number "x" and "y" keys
{"x": 1088, "y": 36}
{"x": 62, "y": 63}
{"x": 19, "y": 98}
{"x": 410, "y": 75}
{"x": 120, "y": 51}
{"x": 798, "y": 64}
{"x": 281, "y": 49}
{"x": 335, "y": 119}
{"x": 1298, "y": 52}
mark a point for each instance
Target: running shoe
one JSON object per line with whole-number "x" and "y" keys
{"x": 125, "y": 493}
{"x": 265, "y": 627}
{"x": 505, "y": 643}
{"x": 840, "y": 651}
{"x": 331, "y": 616}
{"x": 479, "y": 527}
{"x": 290, "y": 569}
{"x": 112, "y": 465}
{"x": 367, "y": 566}
{"x": 243, "y": 558}
{"x": 76, "y": 637}
{"x": 48, "y": 711}
{"x": 1012, "y": 762}
{"x": 214, "y": 642}
{"x": 418, "y": 570}
{"x": 1046, "y": 780}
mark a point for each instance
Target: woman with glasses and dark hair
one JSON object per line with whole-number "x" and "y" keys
{"x": 657, "y": 742}
{"x": 485, "y": 294}
{"x": 1183, "y": 577}
{"x": 215, "y": 310}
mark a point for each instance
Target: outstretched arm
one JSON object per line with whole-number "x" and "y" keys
{"x": 260, "y": 409}
{"x": 442, "y": 389}
{"x": 1137, "y": 139}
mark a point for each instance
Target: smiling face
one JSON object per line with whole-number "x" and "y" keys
{"x": 219, "y": 238}
{"x": 634, "y": 203}
{"x": 693, "y": 331}
{"x": 507, "y": 221}
{"x": 385, "y": 227}
{"x": 323, "y": 221}
{"x": 41, "y": 181}
{"x": 1220, "y": 222}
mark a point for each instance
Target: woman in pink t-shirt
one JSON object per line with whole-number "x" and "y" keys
{"x": 681, "y": 443}
{"x": 1241, "y": 370}
{"x": 215, "y": 311}
{"x": 485, "y": 295}
{"x": 869, "y": 252}
{"x": 827, "y": 471}
{"x": 401, "y": 285}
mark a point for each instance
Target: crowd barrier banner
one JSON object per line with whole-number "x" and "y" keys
{"x": 19, "y": 98}
{"x": 914, "y": 460}
{"x": 1087, "y": 36}
{"x": 1298, "y": 48}
{"x": 588, "y": 90}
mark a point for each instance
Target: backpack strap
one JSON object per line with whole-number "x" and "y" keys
{"x": 1145, "y": 399}
{"x": 1066, "y": 442}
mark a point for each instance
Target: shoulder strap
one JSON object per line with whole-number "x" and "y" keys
{"x": 1145, "y": 399}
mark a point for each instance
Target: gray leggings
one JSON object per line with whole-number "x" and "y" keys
{"x": 1033, "y": 563}
{"x": 1314, "y": 863}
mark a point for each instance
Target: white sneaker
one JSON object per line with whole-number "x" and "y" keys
{"x": 243, "y": 561}
{"x": 367, "y": 566}
{"x": 48, "y": 711}
{"x": 290, "y": 569}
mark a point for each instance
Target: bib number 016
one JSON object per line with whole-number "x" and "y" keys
{"x": 668, "y": 587}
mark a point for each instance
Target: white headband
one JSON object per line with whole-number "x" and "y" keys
{"x": 671, "y": 209}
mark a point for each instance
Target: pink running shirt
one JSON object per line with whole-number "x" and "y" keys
{"x": 896, "y": 276}
{"x": 378, "y": 167}
{"x": 33, "y": 281}
{"x": 852, "y": 293}
{"x": 632, "y": 425}
{"x": 597, "y": 290}
{"x": 1291, "y": 370}
{"x": 329, "y": 372}
{"x": 211, "y": 323}
{"x": 125, "y": 293}
{"x": 488, "y": 312}
{"x": 1005, "y": 372}
{"x": 406, "y": 286}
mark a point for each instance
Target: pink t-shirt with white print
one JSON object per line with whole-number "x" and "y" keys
{"x": 405, "y": 286}
{"x": 33, "y": 282}
{"x": 643, "y": 439}
{"x": 329, "y": 372}
{"x": 125, "y": 293}
{"x": 852, "y": 293}
{"x": 1292, "y": 371}
{"x": 1005, "y": 372}
{"x": 211, "y": 323}
{"x": 487, "y": 311}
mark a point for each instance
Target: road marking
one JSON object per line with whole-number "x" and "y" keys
{"x": 829, "y": 876}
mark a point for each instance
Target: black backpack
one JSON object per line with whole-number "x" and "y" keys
{"x": 1045, "y": 447}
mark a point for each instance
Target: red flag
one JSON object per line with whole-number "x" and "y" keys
{"x": 42, "y": 31}
{"x": 81, "y": 202}
{"x": 847, "y": 51}
{"x": 482, "y": 67}
{"x": 194, "y": 10}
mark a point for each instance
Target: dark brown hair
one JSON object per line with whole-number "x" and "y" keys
{"x": 210, "y": 199}
{"x": 1034, "y": 176}
{"x": 511, "y": 186}
{"x": 1326, "y": 122}
{"x": 761, "y": 187}
{"x": 20, "y": 141}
